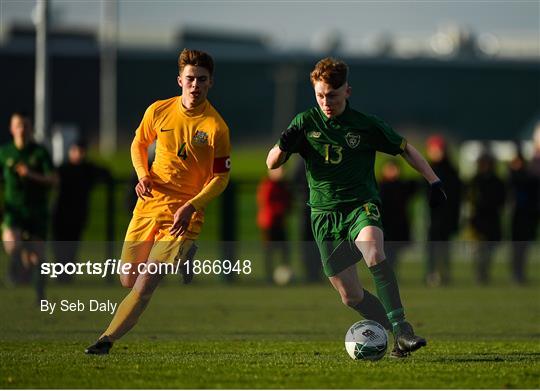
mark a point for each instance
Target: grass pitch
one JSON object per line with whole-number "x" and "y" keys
{"x": 209, "y": 335}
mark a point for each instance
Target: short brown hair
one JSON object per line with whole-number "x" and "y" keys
{"x": 21, "y": 114}
{"x": 195, "y": 58}
{"x": 331, "y": 71}
{"x": 24, "y": 116}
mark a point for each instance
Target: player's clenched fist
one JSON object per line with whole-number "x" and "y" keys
{"x": 182, "y": 217}
{"x": 144, "y": 188}
{"x": 290, "y": 138}
{"x": 437, "y": 195}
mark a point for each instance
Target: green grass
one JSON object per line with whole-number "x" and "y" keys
{"x": 253, "y": 336}
{"x": 249, "y": 335}
{"x": 274, "y": 365}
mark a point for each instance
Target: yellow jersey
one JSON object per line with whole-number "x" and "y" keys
{"x": 191, "y": 145}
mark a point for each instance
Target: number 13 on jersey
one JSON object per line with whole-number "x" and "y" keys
{"x": 332, "y": 154}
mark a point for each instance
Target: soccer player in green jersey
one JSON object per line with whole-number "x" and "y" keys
{"x": 28, "y": 174}
{"x": 338, "y": 145}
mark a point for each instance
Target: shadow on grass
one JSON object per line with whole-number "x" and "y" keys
{"x": 489, "y": 357}
{"x": 486, "y": 336}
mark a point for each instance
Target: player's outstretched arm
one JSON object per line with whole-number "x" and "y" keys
{"x": 211, "y": 190}
{"x": 49, "y": 179}
{"x": 276, "y": 158}
{"x": 183, "y": 215}
{"x": 437, "y": 196}
{"x": 289, "y": 141}
{"x": 417, "y": 161}
{"x": 139, "y": 158}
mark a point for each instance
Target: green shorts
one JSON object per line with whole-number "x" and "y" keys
{"x": 336, "y": 231}
{"x": 31, "y": 228}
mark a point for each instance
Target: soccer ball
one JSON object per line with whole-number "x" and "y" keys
{"x": 366, "y": 340}
{"x": 283, "y": 275}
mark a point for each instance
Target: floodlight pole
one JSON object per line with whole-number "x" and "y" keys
{"x": 41, "y": 94}
{"x": 285, "y": 82}
{"x": 107, "y": 102}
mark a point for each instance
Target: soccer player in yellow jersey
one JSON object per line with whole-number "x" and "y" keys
{"x": 191, "y": 168}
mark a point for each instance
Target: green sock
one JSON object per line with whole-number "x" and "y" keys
{"x": 371, "y": 308}
{"x": 388, "y": 292}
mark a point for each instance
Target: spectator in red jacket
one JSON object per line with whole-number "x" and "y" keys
{"x": 443, "y": 222}
{"x": 274, "y": 201}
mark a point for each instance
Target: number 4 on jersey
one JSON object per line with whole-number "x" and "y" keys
{"x": 182, "y": 152}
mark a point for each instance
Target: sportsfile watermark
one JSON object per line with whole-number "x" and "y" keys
{"x": 257, "y": 261}
{"x": 116, "y": 267}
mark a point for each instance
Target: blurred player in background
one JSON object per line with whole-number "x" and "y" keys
{"x": 525, "y": 199}
{"x": 28, "y": 175}
{"x": 338, "y": 145}
{"x": 191, "y": 168}
{"x": 487, "y": 194}
{"x": 77, "y": 178}
{"x": 274, "y": 201}
{"x": 396, "y": 194}
{"x": 444, "y": 222}
{"x": 534, "y": 166}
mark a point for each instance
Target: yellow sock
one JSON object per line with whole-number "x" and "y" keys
{"x": 127, "y": 315}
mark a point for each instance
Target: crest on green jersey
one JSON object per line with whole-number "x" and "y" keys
{"x": 353, "y": 140}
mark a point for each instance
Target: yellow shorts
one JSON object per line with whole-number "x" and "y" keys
{"x": 148, "y": 238}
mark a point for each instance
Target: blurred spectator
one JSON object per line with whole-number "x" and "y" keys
{"x": 77, "y": 179}
{"x": 309, "y": 251}
{"x": 396, "y": 194}
{"x": 487, "y": 195}
{"x": 273, "y": 200}
{"x": 444, "y": 222}
{"x": 525, "y": 197}
{"x": 534, "y": 166}
{"x": 28, "y": 174}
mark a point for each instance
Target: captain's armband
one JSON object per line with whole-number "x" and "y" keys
{"x": 222, "y": 164}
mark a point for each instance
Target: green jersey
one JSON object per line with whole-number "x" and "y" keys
{"x": 339, "y": 154}
{"x": 24, "y": 199}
